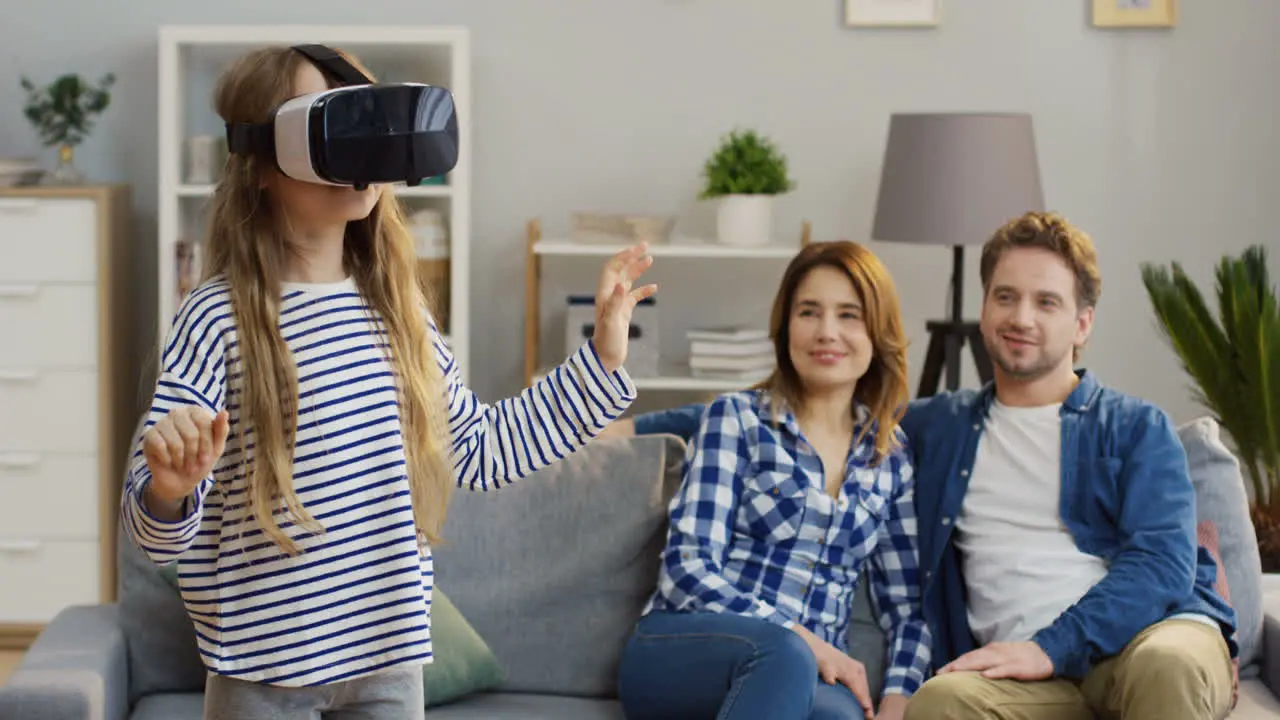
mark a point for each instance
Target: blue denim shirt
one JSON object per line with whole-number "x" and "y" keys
{"x": 1126, "y": 497}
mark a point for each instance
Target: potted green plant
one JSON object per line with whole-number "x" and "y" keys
{"x": 1234, "y": 361}
{"x": 63, "y": 113}
{"x": 744, "y": 175}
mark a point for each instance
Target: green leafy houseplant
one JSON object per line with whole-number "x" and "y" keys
{"x": 1234, "y": 361}
{"x": 63, "y": 113}
{"x": 745, "y": 163}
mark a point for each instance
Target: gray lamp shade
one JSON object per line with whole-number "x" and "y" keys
{"x": 954, "y": 178}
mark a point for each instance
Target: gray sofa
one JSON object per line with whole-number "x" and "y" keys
{"x": 552, "y": 572}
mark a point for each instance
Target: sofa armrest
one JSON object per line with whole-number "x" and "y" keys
{"x": 1271, "y": 645}
{"x": 77, "y": 669}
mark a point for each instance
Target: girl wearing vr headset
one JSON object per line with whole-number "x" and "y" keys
{"x": 309, "y": 424}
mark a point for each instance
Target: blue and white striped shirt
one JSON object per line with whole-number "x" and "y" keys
{"x": 754, "y": 532}
{"x": 357, "y": 599}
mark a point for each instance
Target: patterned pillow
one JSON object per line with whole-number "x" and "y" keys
{"x": 1207, "y": 536}
{"x": 1222, "y": 500}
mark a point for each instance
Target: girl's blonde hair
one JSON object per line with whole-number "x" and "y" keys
{"x": 883, "y": 389}
{"x": 247, "y": 245}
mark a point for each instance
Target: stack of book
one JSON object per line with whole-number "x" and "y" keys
{"x": 731, "y": 352}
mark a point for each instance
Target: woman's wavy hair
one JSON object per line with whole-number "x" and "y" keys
{"x": 883, "y": 389}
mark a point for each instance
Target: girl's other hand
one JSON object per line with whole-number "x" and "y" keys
{"x": 181, "y": 450}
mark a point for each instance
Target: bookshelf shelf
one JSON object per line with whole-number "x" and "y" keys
{"x": 681, "y": 249}
{"x": 679, "y": 382}
{"x": 672, "y": 375}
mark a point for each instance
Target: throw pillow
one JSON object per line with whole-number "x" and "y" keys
{"x": 1221, "y": 499}
{"x": 462, "y": 662}
{"x": 1207, "y": 536}
{"x": 554, "y": 570}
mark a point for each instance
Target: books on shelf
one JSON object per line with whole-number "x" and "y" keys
{"x": 731, "y": 352}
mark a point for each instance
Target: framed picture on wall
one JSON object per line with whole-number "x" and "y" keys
{"x": 1135, "y": 13}
{"x": 891, "y": 13}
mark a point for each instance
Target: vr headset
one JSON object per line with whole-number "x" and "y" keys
{"x": 357, "y": 134}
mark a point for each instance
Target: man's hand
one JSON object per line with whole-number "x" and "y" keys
{"x": 1015, "y": 661}
{"x": 835, "y": 666}
{"x": 892, "y": 707}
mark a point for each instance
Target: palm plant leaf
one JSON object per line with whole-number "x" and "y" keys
{"x": 1234, "y": 360}
{"x": 1199, "y": 343}
{"x": 1257, "y": 332}
{"x": 1241, "y": 315}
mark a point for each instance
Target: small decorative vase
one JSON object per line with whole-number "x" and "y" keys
{"x": 745, "y": 220}
{"x": 66, "y": 172}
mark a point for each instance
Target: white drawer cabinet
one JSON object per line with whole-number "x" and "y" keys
{"x": 71, "y": 360}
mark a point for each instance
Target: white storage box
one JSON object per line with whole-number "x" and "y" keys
{"x": 642, "y": 351}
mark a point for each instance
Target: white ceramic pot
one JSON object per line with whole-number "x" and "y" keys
{"x": 745, "y": 220}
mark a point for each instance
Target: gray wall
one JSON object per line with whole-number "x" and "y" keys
{"x": 1160, "y": 143}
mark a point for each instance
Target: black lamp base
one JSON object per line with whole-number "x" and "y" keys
{"x": 942, "y": 334}
{"x": 948, "y": 337}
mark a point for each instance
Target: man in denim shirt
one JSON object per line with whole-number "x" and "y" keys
{"x": 1057, "y": 518}
{"x": 1063, "y": 573}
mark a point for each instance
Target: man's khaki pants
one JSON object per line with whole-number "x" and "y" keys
{"x": 1173, "y": 670}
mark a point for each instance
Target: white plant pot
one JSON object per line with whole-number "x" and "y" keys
{"x": 745, "y": 220}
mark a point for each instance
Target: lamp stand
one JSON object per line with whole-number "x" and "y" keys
{"x": 947, "y": 338}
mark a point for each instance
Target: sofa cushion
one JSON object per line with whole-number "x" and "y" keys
{"x": 867, "y": 641}
{"x": 519, "y": 706}
{"x": 1221, "y": 499}
{"x": 554, "y": 570}
{"x": 170, "y": 706}
{"x": 487, "y": 706}
{"x": 1256, "y": 702}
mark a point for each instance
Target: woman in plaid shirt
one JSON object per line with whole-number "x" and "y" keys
{"x": 795, "y": 491}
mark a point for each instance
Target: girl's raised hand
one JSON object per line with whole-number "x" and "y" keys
{"x": 615, "y": 299}
{"x": 181, "y": 449}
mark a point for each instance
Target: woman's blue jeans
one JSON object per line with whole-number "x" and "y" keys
{"x": 729, "y": 667}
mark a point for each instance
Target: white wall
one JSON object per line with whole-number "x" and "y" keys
{"x": 1162, "y": 144}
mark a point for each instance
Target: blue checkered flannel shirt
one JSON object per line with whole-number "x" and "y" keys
{"x": 753, "y": 532}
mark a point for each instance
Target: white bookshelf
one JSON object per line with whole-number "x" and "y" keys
{"x": 673, "y": 375}
{"x": 192, "y": 57}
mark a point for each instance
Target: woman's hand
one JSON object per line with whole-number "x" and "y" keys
{"x": 615, "y": 299}
{"x": 835, "y": 666}
{"x": 180, "y": 450}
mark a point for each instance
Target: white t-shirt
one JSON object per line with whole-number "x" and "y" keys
{"x": 1021, "y": 566}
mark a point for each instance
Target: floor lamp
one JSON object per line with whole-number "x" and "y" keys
{"x": 953, "y": 179}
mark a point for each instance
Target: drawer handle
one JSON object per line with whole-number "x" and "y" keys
{"x": 16, "y": 204}
{"x": 18, "y": 291}
{"x": 19, "y": 460}
{"x": 18, "y": 375}
{"x": 19, "y": 546}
